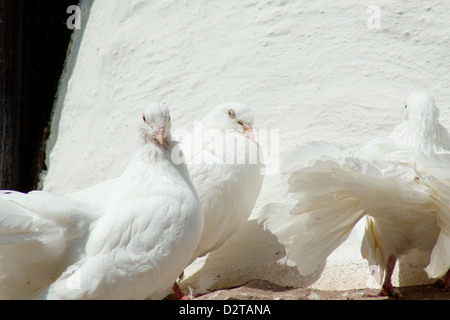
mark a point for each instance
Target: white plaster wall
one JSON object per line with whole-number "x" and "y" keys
{"x": 312, "y": 69}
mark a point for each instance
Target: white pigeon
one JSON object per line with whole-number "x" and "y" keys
{"x": 392, "y": 183}
{"x": 41, "y": 234}
{"x": 132, "y": 247}
{"x": 225, "y": 166}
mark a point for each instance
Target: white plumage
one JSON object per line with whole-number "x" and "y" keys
{"x": 41, "y": 234}
{"x": 225, "y": 167}
{"x": 398, "y": 185}
{"x": 132, "y": 245}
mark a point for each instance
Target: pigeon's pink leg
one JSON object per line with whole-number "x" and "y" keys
{"x": 179, "y": 295}
{"x": 446, "y": 282}
{"x": 387, "y": 289}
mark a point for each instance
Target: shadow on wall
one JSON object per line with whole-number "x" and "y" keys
{"x": 252, "y": 253}
{"x": 77, "y": 37}
{"x": 411, "y": 269}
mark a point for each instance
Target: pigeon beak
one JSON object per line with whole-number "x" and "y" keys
{"x": 248, "y": 132}
{"x": 159, "y": 131}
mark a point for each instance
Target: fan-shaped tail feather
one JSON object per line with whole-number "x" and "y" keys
{"x": 333, "y": 190}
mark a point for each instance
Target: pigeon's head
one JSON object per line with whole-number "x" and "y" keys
{"x": 421, "y": 128}
{"x": 232, "y": 115}
{"x": 156, "y": 124}
{"x": 420, "y": 107}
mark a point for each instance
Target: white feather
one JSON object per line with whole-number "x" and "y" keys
{"x": 40, "y": 235}
{"x": 398, "y": 185}
{"x": 131, "y": 244}
{"x": 229, "y": 184}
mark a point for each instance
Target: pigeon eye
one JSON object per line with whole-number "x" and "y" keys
{"x": 406, "y": 106}
{"x": 231, "y": 114}
{"x": 143, "y": 117}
